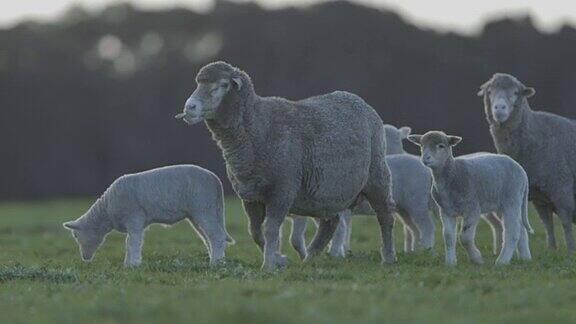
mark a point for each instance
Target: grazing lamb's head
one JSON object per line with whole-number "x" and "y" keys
{"x": 88, "y": 238}
{"x": 436, "y": 147}
{"x": 503, "y": 94}
{"x": 394, "y": 137}
{"x": 216, "y": 83}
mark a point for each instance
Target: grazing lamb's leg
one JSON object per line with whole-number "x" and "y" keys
{"x": 202, "y": 235}
{"x": 326, "y": 227}
{"x": 449, "y": 232}
{"x": 346, "y": 216}
{"x": 524, "y": 245}
{"x": 408, "y": 239}
{"x": 215, "y": 234}
{"x": 275, "y": 215}
{"x": 133, "y": 256}
{"x": 297, "y": 238}
{"x": 467, "y": 236}
{"x": 512, "y": 228}
{"x": 338, "y": 243}
{"x": 496, "y": 226}
{"x": 545, "y": 214}
{"x": 256, "y": 213}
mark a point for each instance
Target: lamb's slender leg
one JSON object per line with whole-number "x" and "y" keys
{"x": 424, "y": 222}
{"x": 215, "y": 234}
{"x": 202, "y": 235}
{"x": 326, "y": 228}
{"x": 524, "y": 245}
{"x": 338, "y": 243}
{"x": 468, "y": 234}
{"x": 546, "y": 216}
{"x": 512, "y": 227}
{"x": 256, "y": 213}
{"x": 449, "y": 233}
{"x": 133, "y": 257}
{"x": 408, "y": 239}
{"x": 275, "y": 215}
{"x": 497, "y": 230}
{"x": 411, "y": 232}
{"x": 297, "y": 238}
{"x": 347, "y": 218}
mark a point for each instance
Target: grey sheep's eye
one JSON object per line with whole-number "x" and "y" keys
{"x": 441, "y": 146}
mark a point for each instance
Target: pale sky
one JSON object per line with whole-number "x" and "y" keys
{"x": 465, "y": 16}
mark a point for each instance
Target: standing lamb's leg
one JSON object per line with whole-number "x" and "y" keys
{"x": 449, "y": 232}
{"x": 546, "y": 216}
{"x": 297, "y": 238}
{"x": 512, "y": 227}
{"x": 338, "y": 243}
{"x": 497, "y": 230}
{"x": 411, "y": 231}
{"x": 256, "y": 213}
{"x": 424, "y": 222}
{"x": 467, "y": 236}
{"x": 326, "y": 227}
{"x": 275, "y": 215}
{"x": 134, "y": 239}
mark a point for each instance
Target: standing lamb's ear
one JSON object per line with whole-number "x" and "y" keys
{"x": 72, "y": 225}
{"x": 416, "y": 139}
{"x": 527, "y": 92}
{"x": 237, "y": 81}
{"x": 454, "y": 140}
{"x": 405, "y": 131}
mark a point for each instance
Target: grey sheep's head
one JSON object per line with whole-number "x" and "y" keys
{"x": 502, "y": 93}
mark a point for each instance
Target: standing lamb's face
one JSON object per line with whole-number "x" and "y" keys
{"x": 502, "y": 93}
{"x": 435, "y": 147}
{"x": 88, "y": 240}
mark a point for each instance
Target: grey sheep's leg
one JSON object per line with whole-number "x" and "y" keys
{"x": 275, "y": 215}
{"x": 256, "y": 213}
{"x": 326, "y": 228}
{"x": 545, "y": 214}
{"x": 297, "y": 238}
{"x": 564, "y": 203}
{"x": 468, "y": 236}
{"x": 497, "y": 231}
{"x": 381, "y": 201}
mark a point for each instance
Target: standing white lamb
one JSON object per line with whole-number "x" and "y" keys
{"x": 164, "y": 195}
{"x": 473, "y": 185}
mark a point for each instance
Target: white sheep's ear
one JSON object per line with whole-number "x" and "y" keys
{"x": 416, "y": 139}
{"x": 405, "y": 131}
{"x": 454, "y": 140}
{"x": 237, "y": 81}
{"x": 72, "y": 225}
{"x": 527, "y": 92}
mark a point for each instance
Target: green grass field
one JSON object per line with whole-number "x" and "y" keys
{"x": 43, "y": 280}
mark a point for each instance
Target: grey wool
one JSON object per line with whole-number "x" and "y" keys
{"x": 542, "y": 143}
{"x": 475, "y": 185}
{"x": 164, "y": 196}
{"x": 314, "y": 157}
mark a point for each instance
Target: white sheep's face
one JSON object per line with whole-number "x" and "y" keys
{"x": 435, "y": 147}
{"x": 204, "y": 102}
{"x": 87, "y": 240}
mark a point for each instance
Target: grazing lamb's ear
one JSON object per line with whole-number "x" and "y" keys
{"x": 72, "y": 225}
{"x": 454, "y": 140}
{"x": 527, "y": 92}
{"x": 405, "y": 131}
{"x": 237, "y": 81}
{"x": 416, "y": 139}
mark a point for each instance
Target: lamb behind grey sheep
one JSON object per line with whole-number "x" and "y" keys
{"x": 542, "y": 143}
{"x": 164, "y": 195}
{"x": 312, "y": 157}
{"x": 474, "y": 185}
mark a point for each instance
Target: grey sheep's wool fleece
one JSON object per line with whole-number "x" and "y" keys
{"x": 475, "y": 185}
{"x": 312, "y": 157}
{"x": 542, "y": 143}
{"x": 165, "y": 195}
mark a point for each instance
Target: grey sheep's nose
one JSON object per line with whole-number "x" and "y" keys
{"x": 499, "y": 107}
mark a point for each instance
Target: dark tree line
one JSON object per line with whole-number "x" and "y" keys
{"x": 92, "y": 96}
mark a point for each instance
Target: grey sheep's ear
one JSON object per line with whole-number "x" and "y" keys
{"x": 237, "y": 81}
{"x": 483, "y": 88}
{"x": 405, "y": 131}
{"x": 416, "y": 139}
{"x": 72, "y": 225}
{"x": 527, "y": 92}
{"x": 454, "y": 140}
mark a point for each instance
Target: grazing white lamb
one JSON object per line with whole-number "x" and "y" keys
{"x": 164, "y": 195}
{"x": 471, "y": 186}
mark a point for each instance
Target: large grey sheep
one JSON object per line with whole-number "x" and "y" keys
{"x": 311, "y": 157}
{"x": 411, "y": 191}
{"x": 543, "y": 143}
{"x": 165, "y": 196}
{"x": 474, "y": 185}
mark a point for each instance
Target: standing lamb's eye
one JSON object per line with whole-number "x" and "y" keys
{"x": 441, "y": 146}
{"x": 225, "y": 85}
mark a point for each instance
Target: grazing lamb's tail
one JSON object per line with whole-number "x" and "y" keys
{"x": 525, "y": 212}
